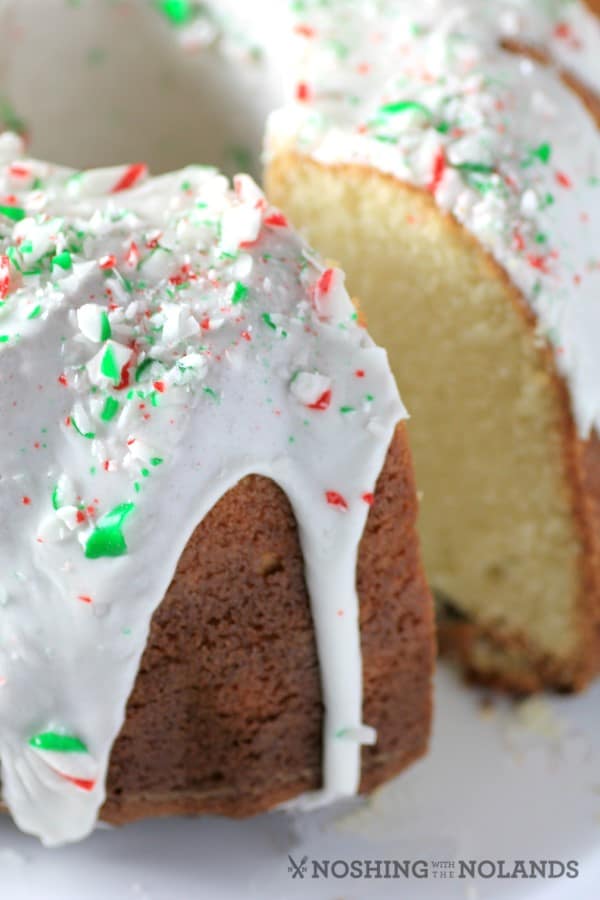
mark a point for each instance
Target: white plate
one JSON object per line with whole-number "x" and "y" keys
{"x": 97, "y": 81}
{"x": 511, "y": 782}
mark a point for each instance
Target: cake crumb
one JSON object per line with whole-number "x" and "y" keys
{"x": 487, "y": 707}
{"x": 537, "y": 716}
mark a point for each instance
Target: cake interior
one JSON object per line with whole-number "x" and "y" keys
{"x": 497, "y": 524}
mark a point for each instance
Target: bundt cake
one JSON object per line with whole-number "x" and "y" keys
{"x": 446, "y": 154}
{"x": 198, "y": 437}
{"x": 204, "y": 466}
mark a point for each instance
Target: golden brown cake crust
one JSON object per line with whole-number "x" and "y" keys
{"x": 225, "y": 715}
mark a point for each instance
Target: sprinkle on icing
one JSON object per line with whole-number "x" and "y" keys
{"x": 336, "y": 500}
{"x": 107, "y": 538}
{"x": 60, "y": 743}
{"x": 130, "y": 177}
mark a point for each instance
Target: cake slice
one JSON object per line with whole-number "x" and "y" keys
{"x": 458, "y": 182}
{"x": 207, "y": 539}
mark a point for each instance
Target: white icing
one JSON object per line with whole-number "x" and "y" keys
{"x": 499, "y": 140}
{"x": 237, "y": 365}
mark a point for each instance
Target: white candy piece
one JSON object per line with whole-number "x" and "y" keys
{"x": 178, "y": 324}
{"x": 240, "y": 225}
{"x": 105, "y": 367}
{"x": 308, "y": 387}
{"x": 93, "y": 322}
{"x": 331, "y": 300}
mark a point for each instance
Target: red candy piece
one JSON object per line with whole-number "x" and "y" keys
{"x": 4, "y": 277}
{"x": 335, "y": 499}
{"x": 439, "y": 167}
{"x": 277, "y": 219}
{"x": 322, "y": 403}
{"x": 130, "y": 177}
{"x": 84, "y": 784}
{"x": 303, "y": 92}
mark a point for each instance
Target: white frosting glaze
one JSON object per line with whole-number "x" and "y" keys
{"x": 427, "y": 94}
{"x": 158, "y": 343}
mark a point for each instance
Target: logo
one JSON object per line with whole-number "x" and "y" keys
{"x": 407, "y": 869}
{"x": 298, "y": 870}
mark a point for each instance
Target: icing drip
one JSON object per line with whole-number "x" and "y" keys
{"x": 429, "y": 95}
{"x": 161, "y": 338}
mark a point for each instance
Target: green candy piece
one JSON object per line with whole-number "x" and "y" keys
{"x": 240, "y": 293}
{"x": 107, "y": 539}
{"x": 57, "y": 743}
{"x": 543, "y": 153}
{"x": 269, "y": 321}
{"x": 13, "y": 255}
{"x": 109, "y": 365}
{"x": 142, "y": 367}
{"x": 111, "y": 407}
{"x": 15, "y": 213}
{"x": 179, "y": 12}
{"x": 478, "y": 168}
{"x": 89, "y": 435}
{"x": 210, "y": 392}
{"x": 63, "y": 260}
{"x": 105, "y": 329}
{"x": 401, "y": 106}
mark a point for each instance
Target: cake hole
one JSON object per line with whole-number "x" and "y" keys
{"x": 230, "y": 100}
{"x": 446, "y": 608}
{"x": 216, "y": 778}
